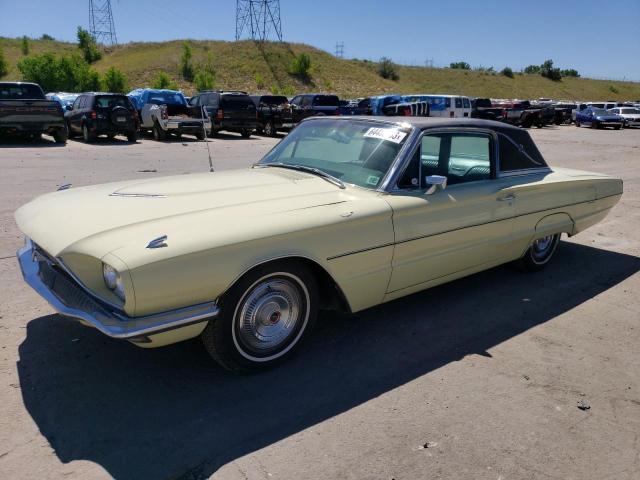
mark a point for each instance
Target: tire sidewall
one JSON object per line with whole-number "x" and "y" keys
{"x": 220, "y": 332}
{"x": 531, "y": 264}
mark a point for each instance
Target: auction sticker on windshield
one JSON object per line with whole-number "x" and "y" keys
{"x": 390, "y": 134}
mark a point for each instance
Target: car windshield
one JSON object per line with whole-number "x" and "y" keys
{"x": 599, "y": 111}
{"x": 354, "y": 151}
{"x": 166, "y": 99}
{"x": 18, "y": 92}
{"x": 326, "y": 101}
{"x": 273, "y": 100}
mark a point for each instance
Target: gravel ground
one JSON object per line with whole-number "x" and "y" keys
{"x": 501, "y": 375}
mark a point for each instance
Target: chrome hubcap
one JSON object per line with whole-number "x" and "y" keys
{"x": 269, "y": 315}
{"x": 542, "y": 247}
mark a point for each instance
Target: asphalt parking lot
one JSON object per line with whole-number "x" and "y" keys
{"x": 481, "y": 378}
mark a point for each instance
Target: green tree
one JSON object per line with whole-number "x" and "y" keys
{"x": 547, "y": 70}
{"x": 532, "y": 69}
{"x": 46, "y": 37}
{"x": 570, "y": 72}
{"x": 41, "y": 69}
{"x": 387, "y": 69}
{"x": 301, "y": 66}
{"x": 460, "y": 65}
{"x": 70, "y": 73}
{"x": 162, "y": 80}
{"x": 24, "y": 45}
{"x": 114, "y": 81}
{"x": 507, "y": 72}
{"x": 88, "y": 45}
{"x": 186, "y": 67}
{"x": 4, "y": 68}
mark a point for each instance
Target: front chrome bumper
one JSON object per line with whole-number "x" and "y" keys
{"x": 69, "y": 299}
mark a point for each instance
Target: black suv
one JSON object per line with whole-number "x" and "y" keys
{"x": 274, "y": 113}
{"x": 310, "y": 104}
{"x": 109, "y": 114}
{"x": 229, "y": 111}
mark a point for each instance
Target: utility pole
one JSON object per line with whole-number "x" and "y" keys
{"x": 258, "y": 18}
{"x": 101, "y": 24}
{"x": 340, "y": 50}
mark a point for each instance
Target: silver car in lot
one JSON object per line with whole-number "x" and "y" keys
{"x": 631, "y": 115}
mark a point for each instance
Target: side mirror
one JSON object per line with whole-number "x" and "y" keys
{"x": 69, "y": 107}
{"x": 435, "y": 182}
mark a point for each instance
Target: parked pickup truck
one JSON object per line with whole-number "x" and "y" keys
{"x": 24, "y": 110}
{"x": 524, "y": 114}
{"x": 274, "y": 113}
{"x": 166, "y": 112}
{"x": 483, "y": 108}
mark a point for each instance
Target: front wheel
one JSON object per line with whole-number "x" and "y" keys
{"x": 245, "y": 132}
{"x": 577, "y": 124}
{"x": 269, "y": 129}
{"x": 158, "y": 133}
{"x": 132, "y": 137}
{"x": 60, "y": 136}
{"x": 87, "y": 135}
{"x": 264, "y": 317}
{"x": 539, "y": 253}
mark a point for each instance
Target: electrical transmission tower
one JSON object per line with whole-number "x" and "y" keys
{"x": 101, "y": 24}
{"x": 340, "y": 50}
{"x": 258, "y": 18}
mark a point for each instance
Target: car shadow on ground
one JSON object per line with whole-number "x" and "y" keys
{"x": 172, "y": 413}
{"x": 24, "y": 142}
{"x": 117, "y": 141}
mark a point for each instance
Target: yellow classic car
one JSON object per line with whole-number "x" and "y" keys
{"x": 343, "y": 213}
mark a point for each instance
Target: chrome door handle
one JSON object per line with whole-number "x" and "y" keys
{"x": 507, "y": 198}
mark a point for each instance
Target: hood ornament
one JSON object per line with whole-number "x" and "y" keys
{"x": 66, "y": 186}
{"x": 159, "y": 242}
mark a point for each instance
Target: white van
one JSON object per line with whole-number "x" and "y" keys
{"x": 444, "y": 105}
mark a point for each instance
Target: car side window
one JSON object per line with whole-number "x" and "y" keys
{"x": 469, "y": 158}
{"x": 466, "y": 102}
{"x": 76, "y": 103}
{"x": 458, "y": 102}
{"x": 295, "y": 101}
{"x": 307, "y": 101}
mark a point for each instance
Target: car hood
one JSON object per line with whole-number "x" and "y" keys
{"x": 99, "y": 219}
{"x": 607, "y": 117}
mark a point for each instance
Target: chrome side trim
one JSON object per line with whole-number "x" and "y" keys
{"x": 76, "y": 303}
{"x": 159, "y": 242}
{"x": 137, "y": 195}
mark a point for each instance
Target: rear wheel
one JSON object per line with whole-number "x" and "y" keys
{"x": 87, "y": 135}
{"x": 60, "y": 136}
{"x": 132, "y": 137}
{"x": 539, "y": 253}
{"x": 158, "y": 133}
{"x": 245, "y": 132}
{"x": 577, "y": 124}
{"x": 264, "y": 317}
{"x": 200, "y": 135}
{"x": 269, "y": 129}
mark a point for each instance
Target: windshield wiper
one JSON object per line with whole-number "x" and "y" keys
{"x": 303, "y": 168}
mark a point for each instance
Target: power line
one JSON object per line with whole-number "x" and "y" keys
{"x": 101, "y": 24}
{"x": 340, "y": 50}
{"x": 258, "y": 18}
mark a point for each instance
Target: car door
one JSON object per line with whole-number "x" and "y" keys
{"x": 467, "y": 225}
{"x": 79, "y": 112}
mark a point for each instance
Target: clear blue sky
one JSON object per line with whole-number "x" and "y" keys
{"x": 599, "y": 38}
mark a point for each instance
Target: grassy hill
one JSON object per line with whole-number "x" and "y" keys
{"x": 255, "y": 67}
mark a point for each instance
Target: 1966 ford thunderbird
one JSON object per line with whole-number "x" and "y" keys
{"x": 343, "y": 213}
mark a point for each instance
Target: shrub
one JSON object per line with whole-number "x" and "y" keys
{"x": 204, "y": 80}
{"x": 548, "y": 71}
{"x": 570, "y": 72}
{"x": 186, "y": 68}
{"x": 507, "y": 72}
{"x": 162, "y": 80}
{"x": 274, "y": 89}
{"x": 259, "y": 80}
{"x": 460, "y": 65}
{"x": 4, "y": 68}
{"x": 301, "y": 66}
{"x": 114, "y": 81}
{"x": 387, "y": 69}
{"x": 70, "y": 73}
{"x": 46, "y": 37}
{"x": 24, "y": 45}
{"x": 613, "y": 89}
{"x": 288, "y": 91}
{"x": 532, "y": 69}
{"x": 88, "y": 45}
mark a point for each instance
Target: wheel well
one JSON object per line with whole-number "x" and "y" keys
{"x": 329, "y": 292}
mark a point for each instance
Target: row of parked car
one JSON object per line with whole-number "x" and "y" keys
{"x": 25, "y": 109}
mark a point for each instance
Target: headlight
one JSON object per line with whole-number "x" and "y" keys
{"x": 113, "y": 281}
